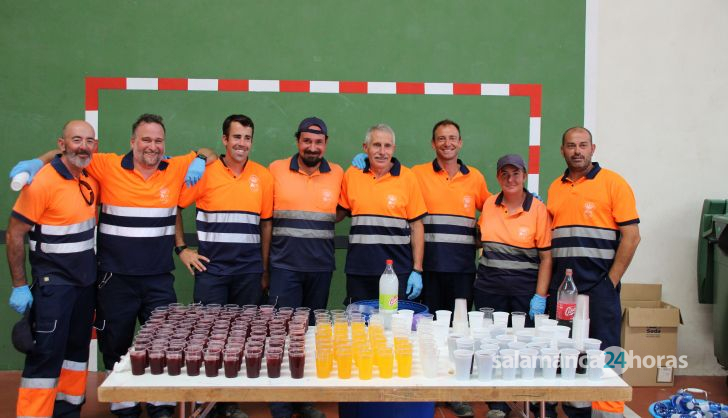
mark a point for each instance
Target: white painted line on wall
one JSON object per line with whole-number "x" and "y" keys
{"x": 202, "y": 84}
{"x": 142, "y": 84}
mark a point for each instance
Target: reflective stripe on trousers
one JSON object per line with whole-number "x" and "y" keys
{"x": 36, "y": 397}
{"x": 72, "y": 382}
{"x": 607, "y": 409}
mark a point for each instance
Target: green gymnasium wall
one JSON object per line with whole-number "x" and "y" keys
{"x": 48, "y": 50}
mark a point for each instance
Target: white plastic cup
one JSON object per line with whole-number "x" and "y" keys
{"x": 595, "y": 364}
{"x": 443, "y": 316}
{"x": 549, "y": 322}
{"x": 565, "y": 343}
{"x": 480, "y": 333}
{"x": 19, "y": 181}
{"x": 516, "y": 345}
{"x": 497, "y": 330}
{"x": 485, "y": 360}
{"x": 475, "y": 319}
{"x": 489, "y": 345}
{"x": 562, "y": 331}
{"x": 525, "y": 335}
{"x": 500, "y": 319}
{"x": 528, "y": 362}
{"x": 504, "y": 339}
{"x": 518, "y": 320}
{"x": 538, "y": 319}
{"x": 549, "y": 362}
{"x": 509, "y": 363}
{"x": 569, "y": 360}
{"x": 487, "y": 315}
{"x": 592, "y": 344}
{"x": 452, "y": 345}
{"x": 439, "y": 331}
{"x": 465, "y": 343}
{"x": 463, "y": 364}
{"x": 429, "y": 360}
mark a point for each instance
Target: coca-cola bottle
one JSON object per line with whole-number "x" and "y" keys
{"x": 566, "y": 300}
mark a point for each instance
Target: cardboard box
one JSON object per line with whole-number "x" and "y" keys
{"x": 649, "y": 328}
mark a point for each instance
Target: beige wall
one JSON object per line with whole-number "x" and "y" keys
{"x": 658, "y": 107}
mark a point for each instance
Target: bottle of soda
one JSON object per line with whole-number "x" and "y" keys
{"x": 388, "y": 291}
{"x": 566, "y": 300}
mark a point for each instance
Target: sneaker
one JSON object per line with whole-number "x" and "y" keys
{"x": 308, "y": 411}
{"x": 232, "y": 411}
{"x": 496, "y": 414}
{"x": 461, "y": 409}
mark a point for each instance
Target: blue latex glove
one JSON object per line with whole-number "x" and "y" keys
{"x": 359, "y": 161}
{"x": 21, "y": 299}
{"x": 538, "y": 305}
{"x": 195, "y": 171}
{"x": 29, "y": 166}
{"x": 414, "y": 285}
{"x": 537, "y": 196}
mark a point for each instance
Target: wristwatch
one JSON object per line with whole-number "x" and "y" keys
{"x": 417, "y": 271}
{"x": 179, "y": 249}
{"x": 203, "y": 157}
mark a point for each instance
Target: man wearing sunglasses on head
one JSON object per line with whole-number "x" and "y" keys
{"x": 58, "y": 214}
{"x": 139, "y": 195}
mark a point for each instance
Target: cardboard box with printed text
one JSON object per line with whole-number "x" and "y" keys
{"x": 649, "y": 331}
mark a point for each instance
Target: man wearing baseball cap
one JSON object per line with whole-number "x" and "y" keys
{"x": 305, "y": 196}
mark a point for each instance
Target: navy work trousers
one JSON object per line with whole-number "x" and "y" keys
{"x": 439, "y": 289}
{"x": 56, "y": 368}
{"x": 241, "y": 289}
{"x": 122, "y": 301}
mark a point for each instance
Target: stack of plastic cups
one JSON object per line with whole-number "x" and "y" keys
{"x": 547, "y": 331}
{"x": 428, "y": 351}
{"x": 580, "y": 327}
{"x": 460, "y": 316}
{"x": 324, "y": 345}
{"x": 468, "y": 344}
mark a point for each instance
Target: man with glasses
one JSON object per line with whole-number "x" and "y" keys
{"x": 139, "y": 195}
{"x": 58, "y": 214}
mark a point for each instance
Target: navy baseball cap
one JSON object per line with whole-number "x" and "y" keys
{"x": 306, "y": 124}
{"x": 511, "y": 159}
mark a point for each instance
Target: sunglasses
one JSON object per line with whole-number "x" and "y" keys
{"x": 86, "y": 191}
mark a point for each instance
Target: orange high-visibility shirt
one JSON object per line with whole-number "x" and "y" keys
{"x": 381, "y": 210}
{"x": 304, "y": 215}
{"x": 450, "y": 221}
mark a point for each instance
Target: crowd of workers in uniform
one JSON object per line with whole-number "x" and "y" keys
{"x": 272, "y": 230}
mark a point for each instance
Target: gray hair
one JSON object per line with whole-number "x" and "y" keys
{"x": 381, "y": 127}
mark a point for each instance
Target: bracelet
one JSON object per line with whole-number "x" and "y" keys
{"x": 417, "y": 271}
{"x": 179, "y": 249}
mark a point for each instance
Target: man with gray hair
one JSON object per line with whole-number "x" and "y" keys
{"x": 387, "y": 208}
